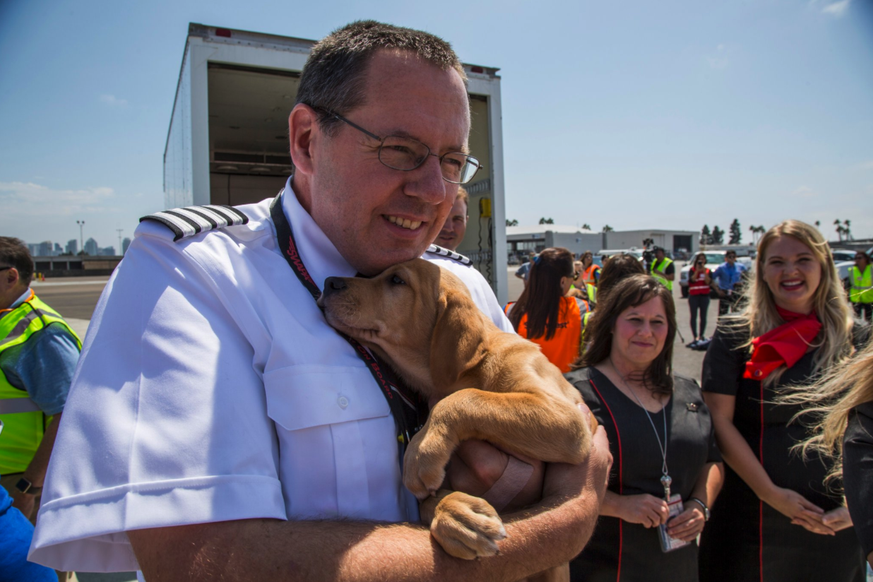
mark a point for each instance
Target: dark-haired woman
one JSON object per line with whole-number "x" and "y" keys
{"x": 666, "y": 468}
{"x": 699, "y": 282}
{"x": 545, "y": 314}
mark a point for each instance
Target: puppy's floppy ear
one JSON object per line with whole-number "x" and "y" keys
{"x": 458, "y": 331}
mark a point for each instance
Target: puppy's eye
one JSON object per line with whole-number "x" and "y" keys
{"x": 397, "y": 280}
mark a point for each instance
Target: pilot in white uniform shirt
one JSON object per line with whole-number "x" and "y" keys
{"x": 210, "y": 389}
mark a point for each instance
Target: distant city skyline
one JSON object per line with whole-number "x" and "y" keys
{"x": 48, "y": 248}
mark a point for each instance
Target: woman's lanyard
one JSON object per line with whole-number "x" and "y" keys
{"x": 666, "y": 480}
{"x": 404, "y": 406}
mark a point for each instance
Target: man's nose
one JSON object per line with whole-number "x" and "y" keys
{"x": 426, "y": 182}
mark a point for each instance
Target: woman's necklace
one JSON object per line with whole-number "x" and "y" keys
{"x": 666, "y": 480}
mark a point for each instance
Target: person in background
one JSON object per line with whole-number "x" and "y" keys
{"x": 663, "y": 269}
{"x": 777, "y": 521}
{"x": 727, "y": 281}
{"x": 699, "y": 286}
{"x": 628, "y": 383}
{"x": 545, "y": 314}
{"x": 38, "y": 356}
{"x": 524, "y": 270}
{"x": 452, "y": 233}
{"x": 615, "y": 270}
{"x": 861, "y": 286}
{"x": 589, "y": 275}
{"x": 841, "y": 405}
{"x": 16, "y": 533}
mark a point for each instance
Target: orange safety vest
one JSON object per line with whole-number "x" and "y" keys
{"x": 563, "y": 349}
{"x": 588, "y": 275}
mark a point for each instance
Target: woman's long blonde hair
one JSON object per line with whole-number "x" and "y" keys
{"x": 840, "y": 390}
{"x": 760, "y": 316}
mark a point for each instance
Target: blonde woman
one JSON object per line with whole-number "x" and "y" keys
{"x": 776, "y": 519}
{"x": 845, "y": 396}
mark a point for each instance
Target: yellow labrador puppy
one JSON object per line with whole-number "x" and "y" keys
{"x": 486, "y": 384}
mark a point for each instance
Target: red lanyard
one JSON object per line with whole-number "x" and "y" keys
{"x": 405, "y": 405}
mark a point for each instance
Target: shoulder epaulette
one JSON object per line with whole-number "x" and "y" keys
{"x": 191, "y": 220}
{"x": 449, "y": 254}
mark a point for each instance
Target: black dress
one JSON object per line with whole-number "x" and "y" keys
{"x": 636, "y": 469}
{"x": 858, "y": 472}
{"x": 746, "y": 539}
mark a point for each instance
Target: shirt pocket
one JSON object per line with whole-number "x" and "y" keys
{"x": 300, "y": 397}
{"x": 331, "y": 422}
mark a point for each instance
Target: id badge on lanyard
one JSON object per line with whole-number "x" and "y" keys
{"x": 668, "y": 544}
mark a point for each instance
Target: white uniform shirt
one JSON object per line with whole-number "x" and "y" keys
{"x": 211, "y": 389}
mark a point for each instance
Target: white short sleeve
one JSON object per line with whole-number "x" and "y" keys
{"x": 166, "y": 422}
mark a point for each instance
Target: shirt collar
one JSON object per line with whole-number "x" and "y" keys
{"x": 321, "y": 257}
{"x": 24, "y": 297}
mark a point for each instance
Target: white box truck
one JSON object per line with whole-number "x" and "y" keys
{"x": 228, "y": 136}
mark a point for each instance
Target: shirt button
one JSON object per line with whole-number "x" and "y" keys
{"x": 342, "y": 401}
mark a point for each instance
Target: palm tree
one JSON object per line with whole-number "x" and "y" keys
{"x": 848, "y": 231}
{"x": 607, "y": 228}
{"x": 586, "y": 226}
{"x": 839, "y": 229}
{"x": 757, "y": 231}
{"x": 818, "y": 223}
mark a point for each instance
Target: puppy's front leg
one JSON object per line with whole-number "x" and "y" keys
{"x": 542, "y": 428}
{"x": 466, "y": 527}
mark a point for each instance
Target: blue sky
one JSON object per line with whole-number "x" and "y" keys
{"x": 636, "y": 114}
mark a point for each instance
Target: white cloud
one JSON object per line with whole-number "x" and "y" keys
{"x": 837, "y": 9}
{"x": 29, "y": 200}
{"x": 720, "y": 59}
{"x": 113, "y": 101}
{"x": 867, "y": 165}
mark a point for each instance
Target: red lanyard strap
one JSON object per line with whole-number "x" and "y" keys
{"x": 405, "y": 404}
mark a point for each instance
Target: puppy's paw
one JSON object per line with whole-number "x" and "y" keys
{"x": 424, "y": 464}
{"x": 467, "y": 527}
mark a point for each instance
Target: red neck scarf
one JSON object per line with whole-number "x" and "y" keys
{"x": 785, "y": 344}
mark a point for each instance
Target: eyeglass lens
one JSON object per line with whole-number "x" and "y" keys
{"x": 401, "y": 153}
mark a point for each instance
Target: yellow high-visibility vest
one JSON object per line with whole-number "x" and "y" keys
{"x": 658, "y": 272}
{"x": 862, "y": 285}
{"x": 23, "y": 422}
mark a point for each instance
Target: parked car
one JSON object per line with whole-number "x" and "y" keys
{"x": 843, "y": 271}
{"x": 713, "y": 260}
{"x": 841, "y": 255}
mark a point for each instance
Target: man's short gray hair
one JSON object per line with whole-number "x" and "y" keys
{"x": 334, "y": 76}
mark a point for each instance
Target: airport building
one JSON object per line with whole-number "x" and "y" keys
{"x": 523, "y": 240}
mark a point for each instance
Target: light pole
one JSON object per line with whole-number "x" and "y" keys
{"x": 81, "y": 224}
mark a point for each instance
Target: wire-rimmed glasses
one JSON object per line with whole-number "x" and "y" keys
{"x": 407, "y": 154}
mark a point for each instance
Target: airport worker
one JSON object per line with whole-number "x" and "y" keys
{"x": 452, "y": 233}
{"x": 589, "y": 275}
{"x": 727, "y": 280}
{"x": 222, "y": 429}
{"x": 15, "y": 536}
{"x": 861, "y": 290}
{"x": 38, "y": 355}
{"x": 663, "y": 269}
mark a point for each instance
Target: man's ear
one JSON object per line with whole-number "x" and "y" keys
{"x": 303, "y": 131}
{"x": 13, "y": 277}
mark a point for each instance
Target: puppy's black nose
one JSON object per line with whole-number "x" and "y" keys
{"x": 334, "y": 284}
